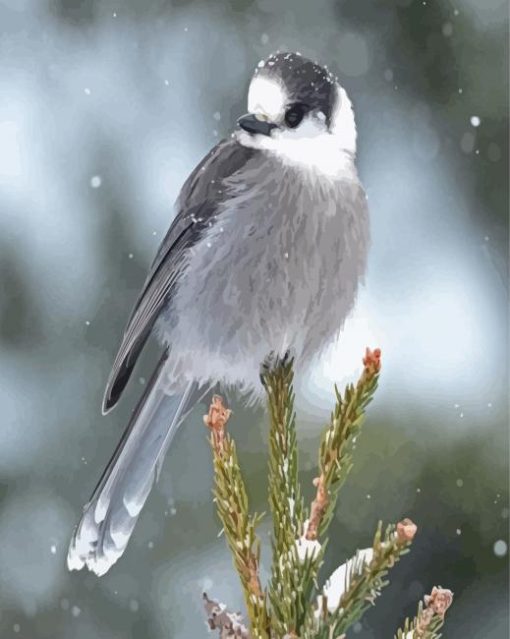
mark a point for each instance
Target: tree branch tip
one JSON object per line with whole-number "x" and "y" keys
{"x": 430, "y": 617}
{"x": 218, "y": 415}
{"x": 372, "y": 360}
{"x": 439, "y": 600}
{"x": 299, "y": 532}
{"x": 406, "y": 530}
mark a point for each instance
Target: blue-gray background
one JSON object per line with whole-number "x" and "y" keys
{"x": 104, "y": 109}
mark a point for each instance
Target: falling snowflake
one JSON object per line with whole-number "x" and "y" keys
{"x": 447, "y": 29}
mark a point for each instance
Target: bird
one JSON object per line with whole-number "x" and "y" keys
{"x": 265, "y": 254}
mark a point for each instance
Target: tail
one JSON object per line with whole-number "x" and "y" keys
{"x": 111, "y": 514}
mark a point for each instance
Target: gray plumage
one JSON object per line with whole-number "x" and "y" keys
{"x": 278, "y": 270}
{"x": 264, "y": 255}
{"x": 196, "y": 207}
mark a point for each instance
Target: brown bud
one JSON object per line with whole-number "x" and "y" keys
{"x": 218, "y": 415}
{"x": 439, "y": 600}
{"x": 406, "y": 530}
{"x": 372, "y": 359}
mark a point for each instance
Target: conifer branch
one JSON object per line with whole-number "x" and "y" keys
{"x": 298, "y": 535}
{"x": 232, "y": 505}
{"x": 294, "y": 563}
{"x": 335, "y": 455}
{"x": 355, "y": 585}
{"x": 284, "y": 491}
{"x": 430, "y": 618}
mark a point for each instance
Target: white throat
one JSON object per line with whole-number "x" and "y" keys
{"x": 311, "y": 145}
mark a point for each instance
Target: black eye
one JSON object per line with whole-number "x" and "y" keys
{"x": 294, "y": 115}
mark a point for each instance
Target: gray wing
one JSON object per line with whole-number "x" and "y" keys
{"x": 197, "y": 207}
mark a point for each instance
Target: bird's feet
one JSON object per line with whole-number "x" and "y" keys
{"x": 274, "y": 361}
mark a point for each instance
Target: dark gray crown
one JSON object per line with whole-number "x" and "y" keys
{"x": 306, "y": 82}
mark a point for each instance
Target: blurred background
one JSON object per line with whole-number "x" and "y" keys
{"x": 105, "y": 107}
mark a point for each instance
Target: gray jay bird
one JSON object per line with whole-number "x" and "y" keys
{"x": 265, "y": 254}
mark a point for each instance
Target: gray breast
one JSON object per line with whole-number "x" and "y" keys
{"x": 279, "y": 269}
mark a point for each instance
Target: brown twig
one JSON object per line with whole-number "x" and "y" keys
{"x": 436, "y": 605}
{"x": 372, "y": 366}
{"x": 232, "y": 506}
{"x": 318, "y": 508}
{"x": 216, "y": 420}
{"x": 406, "y": 530}
{"x": 228, "y": 623}
{"x": 372, "y": 361}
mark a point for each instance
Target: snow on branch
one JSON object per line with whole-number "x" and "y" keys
{"x": 294, "y": 605}
{"x": 232, "y": 506}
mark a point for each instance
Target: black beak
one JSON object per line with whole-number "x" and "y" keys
{"x": 253, "y": 125}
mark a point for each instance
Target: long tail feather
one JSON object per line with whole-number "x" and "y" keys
{"x": 111, "y": 514}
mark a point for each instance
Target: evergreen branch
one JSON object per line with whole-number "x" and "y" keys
{"x": 297, "y": 551}
{"x": 335, "y": 458}
{"x": 429, "y": 619}
{"x": 292, "y": 587}
{"x": 295, "y": 561}
{"x": 232, "y": 506}
{"x": 293, "y": 578}
{"x": 284, "y": 491}
{"x": 355, "y": 585}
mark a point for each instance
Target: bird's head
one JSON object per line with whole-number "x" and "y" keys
{"x": 298, "y": 110}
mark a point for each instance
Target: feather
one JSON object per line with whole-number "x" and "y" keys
{"x": 111, "y": 513}
{"x": 197, "y": 209}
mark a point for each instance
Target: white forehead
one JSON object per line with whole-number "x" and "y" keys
{"x": 267, "y": 95}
